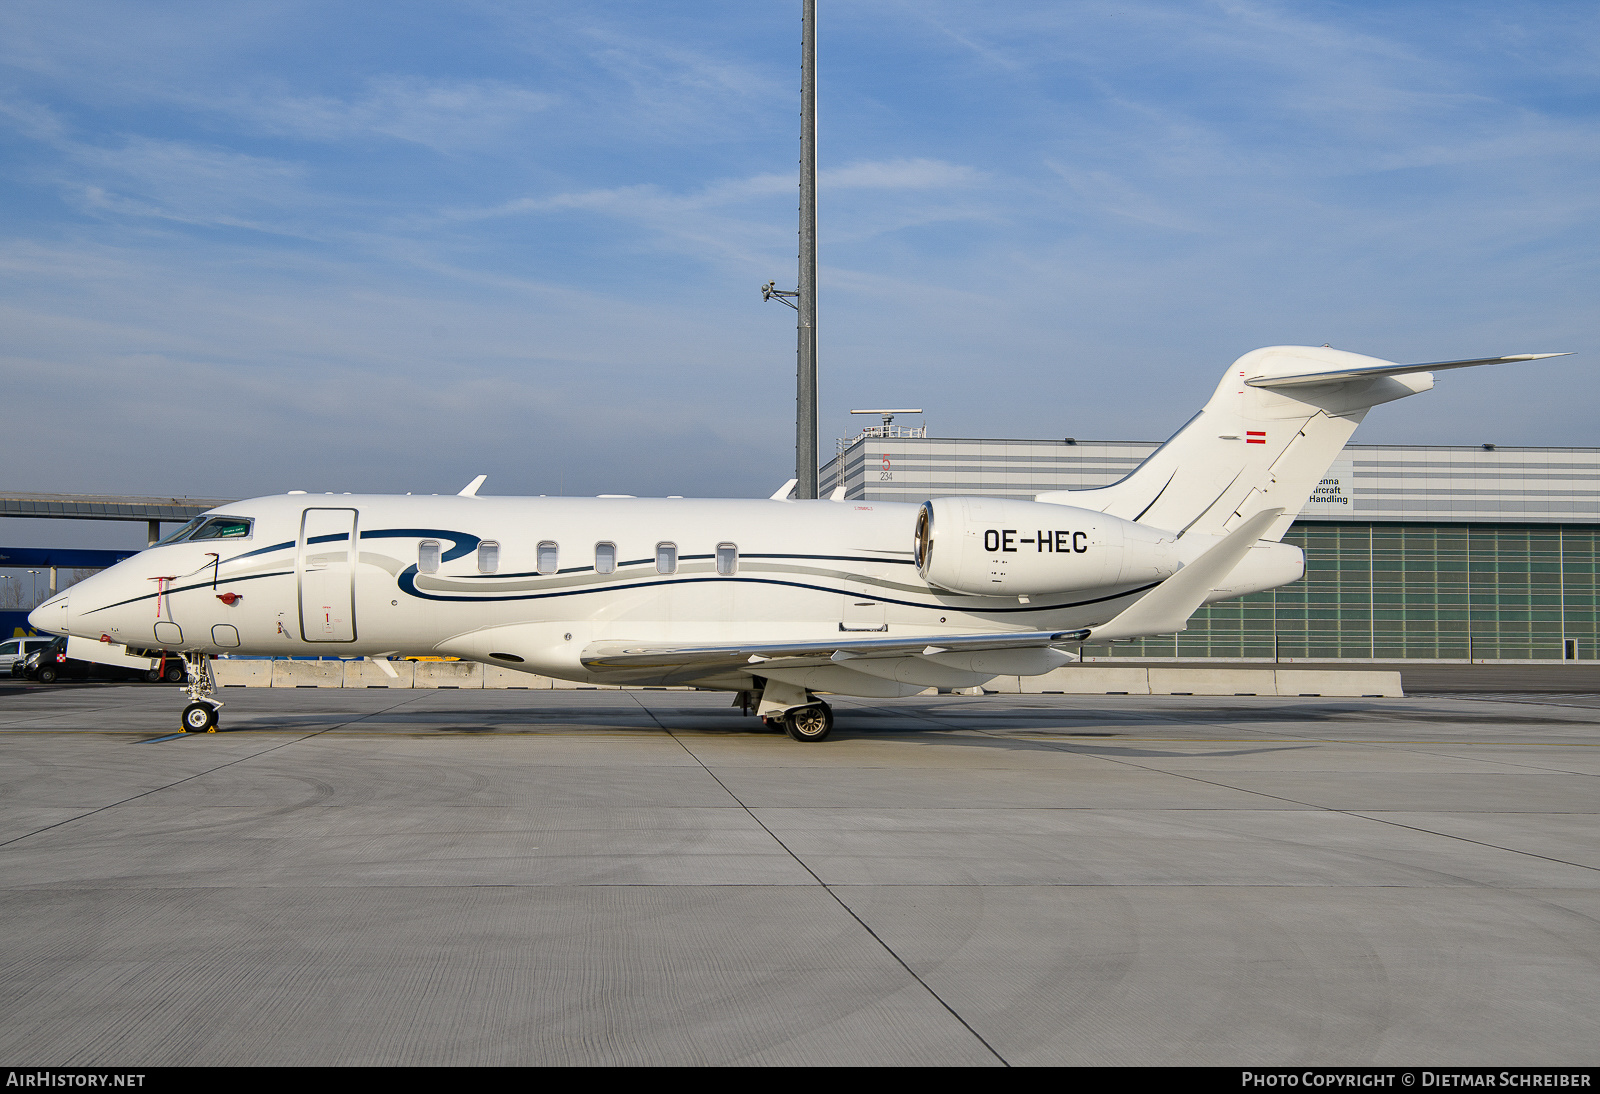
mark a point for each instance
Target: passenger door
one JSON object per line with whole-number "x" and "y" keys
{"x": 325, "y": 564}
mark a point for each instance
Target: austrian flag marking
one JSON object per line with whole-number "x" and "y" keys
{"x": 1254, "y": 437}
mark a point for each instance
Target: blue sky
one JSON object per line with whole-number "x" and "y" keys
{"x": 253, "y": 247}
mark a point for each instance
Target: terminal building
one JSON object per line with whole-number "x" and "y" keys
{"x": 1481, "y": 552}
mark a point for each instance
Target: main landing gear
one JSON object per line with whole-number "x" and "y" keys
{"x": 201, "y": 715}
{"x": 801, "y": 714}
{"x": 812, "y": 723}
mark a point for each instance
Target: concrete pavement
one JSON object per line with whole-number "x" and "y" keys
{"x": 561, "y": 877}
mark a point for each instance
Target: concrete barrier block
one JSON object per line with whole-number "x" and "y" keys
{"x": 1345, "y": 682}
{"x": 308, "y": 674}
{"x": 1208, "y": 681}
{"x": 448, "y": 674}
{"x": 245, "y": 674}
{"x": 494, "y": 676}
{"x": 365, "y": 674}
{"x": 1089, "y": 680}
{"x": 571, "y": 685}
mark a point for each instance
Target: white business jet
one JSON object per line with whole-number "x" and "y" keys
{"x": 777, "y": 600}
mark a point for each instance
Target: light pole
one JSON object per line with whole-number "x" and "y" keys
{"x": 806, "y": 385}
{"x": 33, "y": 587}
{"x": 804, "y": 297}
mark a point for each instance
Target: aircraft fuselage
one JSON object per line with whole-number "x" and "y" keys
{"x": 520, "y": 582}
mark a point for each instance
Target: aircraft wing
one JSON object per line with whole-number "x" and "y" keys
{"x": 688, "y": 661}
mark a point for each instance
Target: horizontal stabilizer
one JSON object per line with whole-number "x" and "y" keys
{"x": 1336, "y": 376}
{"x": 1166, "y": 608}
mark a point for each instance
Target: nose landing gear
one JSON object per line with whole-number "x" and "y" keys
{"x": 199, "y": 718}
{"x": 201, "y": 715}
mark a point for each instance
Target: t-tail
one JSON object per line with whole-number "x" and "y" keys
{"x": 1264, "y": 440}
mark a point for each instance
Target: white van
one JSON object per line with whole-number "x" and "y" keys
{"x": 15, "y": 649}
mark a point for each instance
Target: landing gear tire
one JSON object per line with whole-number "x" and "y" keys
{"x": 812, "y": 723}
{"x": 199, "y": 718}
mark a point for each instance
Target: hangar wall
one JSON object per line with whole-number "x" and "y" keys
{"x": 1448, "y": 553}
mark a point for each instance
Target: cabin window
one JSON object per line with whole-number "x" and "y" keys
{"x": 428, "y": 556}
{"x": 549, "y": 555}
{"x": 605, "y": 558}
{"x": 727, "y": 559}
{"x": 488, "y": 556}
{"x": 666, "y": 558}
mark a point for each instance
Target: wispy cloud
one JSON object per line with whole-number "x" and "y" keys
{"x": 439, "y": 114}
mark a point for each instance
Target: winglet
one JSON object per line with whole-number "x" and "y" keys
{"x": 1166, "y": 608}
{"x": 785, "y": 490}
{"x": 471, "y": 489}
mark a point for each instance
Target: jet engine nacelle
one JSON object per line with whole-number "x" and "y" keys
{"x": 1000, "y": 547}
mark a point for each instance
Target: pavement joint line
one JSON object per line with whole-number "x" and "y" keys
{"x": 186, "y": 778}
{"x": 851, "y": 912}
{"x": 1546, "y": 699}
{"x": 1359, "y": 816}
{"x": 1305, "y": 805}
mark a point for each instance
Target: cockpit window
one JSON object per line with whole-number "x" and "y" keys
{"x": 211, "y": 528}
{"x": 182, "y": 533}
{"x": 223, "y": 528}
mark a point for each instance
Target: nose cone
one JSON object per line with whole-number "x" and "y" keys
{"x": 51, "y": 616}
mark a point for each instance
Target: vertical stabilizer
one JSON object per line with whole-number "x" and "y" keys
{"x": 1265, "y": 439}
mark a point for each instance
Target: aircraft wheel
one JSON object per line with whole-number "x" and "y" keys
{"x": 812, "y": 723}
{"x": 199, "y": 717}
{"x": 47, "y": 676}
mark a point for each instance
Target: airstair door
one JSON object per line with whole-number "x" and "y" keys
{"x": 325, "y": 564}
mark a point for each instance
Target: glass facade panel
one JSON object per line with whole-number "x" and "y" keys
{"x": 1448, "y": 591}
